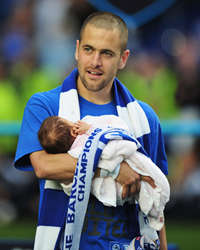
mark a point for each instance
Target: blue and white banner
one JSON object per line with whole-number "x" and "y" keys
{"x": 81, "y": 186}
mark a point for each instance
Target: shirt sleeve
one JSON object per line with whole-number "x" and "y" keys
{"x": 36, "y": 110}
{"x": 154, "y": 142}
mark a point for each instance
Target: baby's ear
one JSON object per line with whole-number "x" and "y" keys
{"x": 73, "y": 132}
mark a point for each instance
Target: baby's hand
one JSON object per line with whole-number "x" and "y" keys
{"x": 81, "y": 127}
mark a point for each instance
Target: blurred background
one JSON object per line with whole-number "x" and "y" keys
{"x": 37, "y": 48}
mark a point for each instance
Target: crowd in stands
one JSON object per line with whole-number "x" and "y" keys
{"x": 37, "y": 51}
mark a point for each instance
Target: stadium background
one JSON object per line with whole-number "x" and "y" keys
{"x": 37, "y": 52}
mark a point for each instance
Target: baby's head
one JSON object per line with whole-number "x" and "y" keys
{"x": 55, "y": 135}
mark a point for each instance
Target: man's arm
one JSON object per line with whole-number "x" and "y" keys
{"x": 130, "y": 181}
{"x": 59, "y": 167}
{"x": 163, "y": 239}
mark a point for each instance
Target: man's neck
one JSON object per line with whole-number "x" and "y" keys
{"x": 103, "y": 96}
{"x": 97, "y": 98}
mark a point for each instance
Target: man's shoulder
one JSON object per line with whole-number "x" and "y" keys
{"x": 150, "y": 113}
{"x": 48, "y": 100}
{"x": 50, "y": 96}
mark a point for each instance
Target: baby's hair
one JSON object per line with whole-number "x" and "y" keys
{"x": 54, "y": 135}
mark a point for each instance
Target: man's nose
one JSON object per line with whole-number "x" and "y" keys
{"x": 96, "y": 59}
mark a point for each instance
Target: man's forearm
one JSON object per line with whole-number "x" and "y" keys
{"x": 59, "y": 167}
{"x": 163, "y": 239}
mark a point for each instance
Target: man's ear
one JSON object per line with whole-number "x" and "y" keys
{"x": 77, "y": 48}
{"x": 124, "y": 58}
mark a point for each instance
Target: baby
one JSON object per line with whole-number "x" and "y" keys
{"x": 59, "y": 135}
{"x": 56, "y": 134}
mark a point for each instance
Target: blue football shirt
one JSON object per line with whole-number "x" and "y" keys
{"x": 104, "y": 227}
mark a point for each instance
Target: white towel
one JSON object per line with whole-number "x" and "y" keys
{"x": 152, "y": 201}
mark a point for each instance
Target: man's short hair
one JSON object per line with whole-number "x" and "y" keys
{"x": 107, "y": 20}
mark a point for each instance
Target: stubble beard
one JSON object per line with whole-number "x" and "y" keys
{"x": 95, "y": 86}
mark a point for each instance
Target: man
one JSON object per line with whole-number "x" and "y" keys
{"x": 91, "y": 90}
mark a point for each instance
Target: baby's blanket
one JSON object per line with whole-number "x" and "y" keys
{"x": 152, "y": 201}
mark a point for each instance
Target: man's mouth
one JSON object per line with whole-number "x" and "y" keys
{"x": 94, "y": 73}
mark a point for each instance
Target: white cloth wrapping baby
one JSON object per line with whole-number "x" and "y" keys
{"x": 151, "y": 200}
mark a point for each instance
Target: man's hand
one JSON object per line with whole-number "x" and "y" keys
{"x": 129, "y": 179}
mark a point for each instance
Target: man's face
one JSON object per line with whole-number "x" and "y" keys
{"x": 99, "y": 58}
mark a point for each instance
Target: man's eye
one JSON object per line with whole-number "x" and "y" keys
{"x": 107, "y": 53}
{"x": 88, "y": 49}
